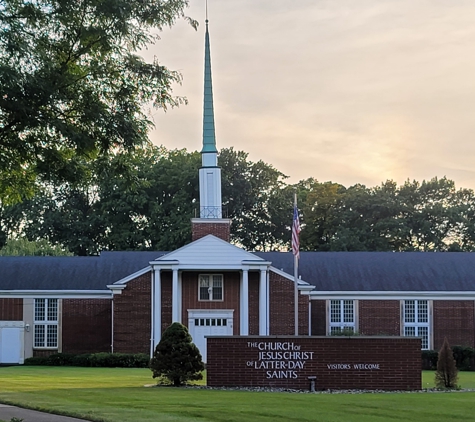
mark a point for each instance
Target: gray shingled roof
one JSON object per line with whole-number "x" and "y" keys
{"x": 328, "y": 271}
{"x": 70, "y": 273}
{"x": 381, "y": 271}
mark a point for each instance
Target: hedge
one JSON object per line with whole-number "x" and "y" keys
{"x": 464, "y": 358}
{"x": 104, "y": 360}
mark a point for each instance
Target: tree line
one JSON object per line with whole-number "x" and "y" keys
{"x": 77, "y": 170}
{"x": 145, "y": 200}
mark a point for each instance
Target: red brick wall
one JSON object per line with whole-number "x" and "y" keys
{"x": 319, "y": 317}
{"x": 454, "y": 319}
{"x": 231, "y": 281}
{"x": 281, "y": 304}
{"x": 132, "y": 316}
{"x": 238, "y": 361}
{"x": 11, "y": 309}
{"x": 86, "y": 325}
{"x": 254, "y": 303}
{"x": 379, "y": 317}
{"x": 44, "y": 353}
{"x": 219, "y": 229}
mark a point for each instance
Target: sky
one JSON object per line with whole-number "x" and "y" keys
{"x": 344, "y": 91}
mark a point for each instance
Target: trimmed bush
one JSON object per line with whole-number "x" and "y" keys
{"x": 104, "y": 360}
{"x": 37, "y": 361}
{"x": 176, "y": 357}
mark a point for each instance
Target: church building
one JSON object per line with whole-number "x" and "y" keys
{"x": 123, "y": 301}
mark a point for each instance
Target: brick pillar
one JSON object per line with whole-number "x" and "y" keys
{"x": 219, "y": 227}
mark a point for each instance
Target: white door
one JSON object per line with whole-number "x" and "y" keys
{"x": 209, "y": 323}
{"x": 11, "y": 345}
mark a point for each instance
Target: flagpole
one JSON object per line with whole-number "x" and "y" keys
{"x": 296, "y": 275}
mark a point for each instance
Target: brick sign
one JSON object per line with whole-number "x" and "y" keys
{"x": 387, "y": 363}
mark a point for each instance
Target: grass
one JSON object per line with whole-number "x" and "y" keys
{"x": 118, "y": 395}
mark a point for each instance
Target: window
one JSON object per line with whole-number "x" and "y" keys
{"x": 416, "y": 320}
{"x": 46, "y": 323}
{"x": 342, "y": 316}
{"x": 210, "y": 287}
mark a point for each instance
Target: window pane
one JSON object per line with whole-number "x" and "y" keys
{"x": 424, "y": 333}
{"x": 422, "y": 311}
{"x": 52, "y": 336}
{"x": 217, "y": 293}
{"x": 52, "y": 310}
{"x": 39, "y": 336}
{"x": 410, "y": 331}
{"x": 409, "y": 311}
{"x": 335, "y": 312}
{"x": 348, "y": 315}
{"x": 204, "y": 293}
{"x": 40, "y": 309}
{"x": 204, "y": 281}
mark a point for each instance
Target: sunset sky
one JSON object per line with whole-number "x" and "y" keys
{"x": 348, "y": 91}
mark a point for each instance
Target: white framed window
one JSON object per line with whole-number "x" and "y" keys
{"x": 416, "y": 320}
{"x": 210, "y": 287}
{"x": 342, "y": 316}
{"x": 46, "y": 323}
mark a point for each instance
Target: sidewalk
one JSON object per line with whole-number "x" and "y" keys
{"x": 7, "y": 412}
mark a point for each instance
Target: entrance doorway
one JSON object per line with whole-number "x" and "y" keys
{"x": 203, "y": 323}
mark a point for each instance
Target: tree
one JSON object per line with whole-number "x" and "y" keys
{"x": 447, "y": 373}
{"x": 24, "y": 247}
{"x": 255, "y": 198}
{"x": 176, "y": 357}
{"x": 73, "y": 86}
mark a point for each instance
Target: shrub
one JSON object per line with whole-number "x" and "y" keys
{"x": 447, "y": 373}
{"x": 36, "y": 361}
{"x": 176, "y": 357}
{"x": 60, "y": 359}
{"x": 429, "y": 359}
{"x": 464, "y": 357}
{"x": 108, "y": 360}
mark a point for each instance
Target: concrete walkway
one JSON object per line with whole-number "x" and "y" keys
{"x": 7, "y": 412}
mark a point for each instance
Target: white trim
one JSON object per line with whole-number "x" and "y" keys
{"x": 302, "y": 285}
{"x": 244, "y": 320}
{"x": 133, "y": 276}
{"x": 57, "y": 294}
{"x": 210, "y": 313}
{"x": 391, "y": 295}
{"x": 117, "y": 290}
{"x": 263, "y": 303}
{"x": 176, "y": 298}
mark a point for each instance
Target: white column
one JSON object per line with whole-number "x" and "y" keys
{"x": 245, "y": 303}
{"x": 263, "y": 304}
{"x": 175, "y": 298}
{"x": 157, "y": 308}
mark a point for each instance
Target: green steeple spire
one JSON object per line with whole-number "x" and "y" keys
{"x": 209, "y": 137}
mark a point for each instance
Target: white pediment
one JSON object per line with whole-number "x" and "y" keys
{"x": 210, "y": 252}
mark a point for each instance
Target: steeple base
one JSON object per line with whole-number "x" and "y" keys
{"x": 219, "y": 227}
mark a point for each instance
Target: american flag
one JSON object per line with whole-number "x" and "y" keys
{"x": 295, "y": 233}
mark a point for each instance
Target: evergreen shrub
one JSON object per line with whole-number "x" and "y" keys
{"x": 176, "y": 358}
{"x": 447, "y": 373}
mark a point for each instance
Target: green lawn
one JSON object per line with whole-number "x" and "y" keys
{"x": 118, "y": 395}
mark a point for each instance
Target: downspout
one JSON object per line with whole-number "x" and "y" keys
{"x": 309, "y": 317}
{"x": 112, "y": 324}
